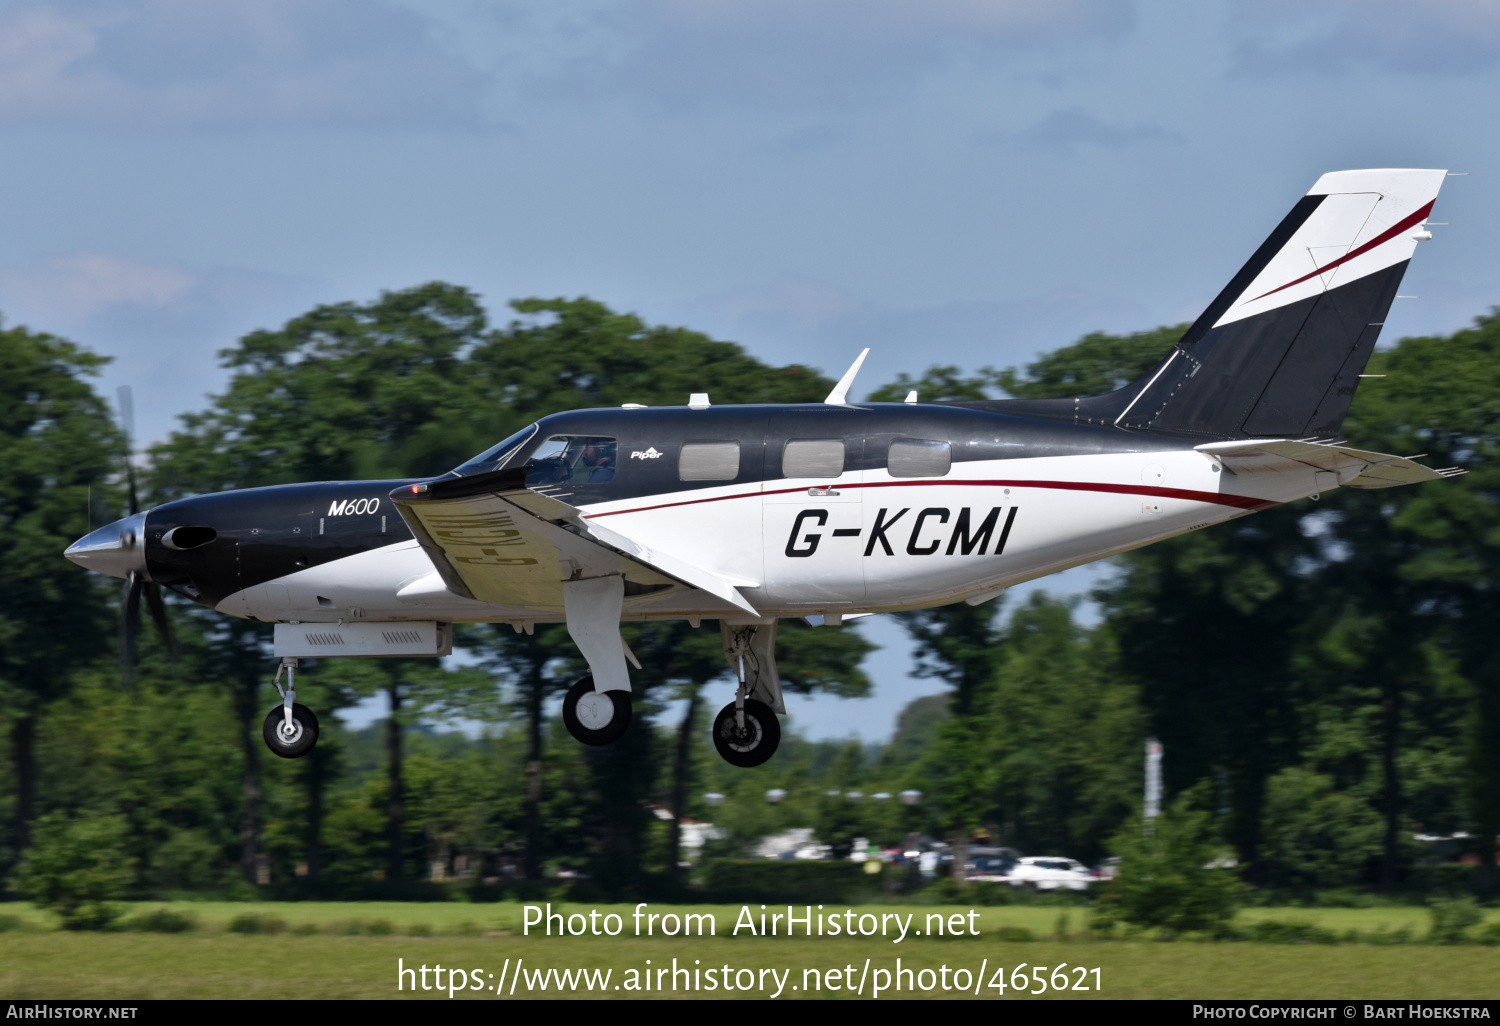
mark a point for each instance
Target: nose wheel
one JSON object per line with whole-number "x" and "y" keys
{"x": 595, "y": 717}
{"x": 294, "y": 740}
{"x": 290, "y": 729}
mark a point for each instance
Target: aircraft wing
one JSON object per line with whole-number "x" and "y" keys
{"x": 1354, "y": 468}
{"x": 494, "y": 540}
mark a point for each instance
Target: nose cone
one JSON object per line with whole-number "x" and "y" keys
{"x": 117, "y": 549}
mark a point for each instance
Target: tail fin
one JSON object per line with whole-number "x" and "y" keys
{"x": 1279, "y": 352}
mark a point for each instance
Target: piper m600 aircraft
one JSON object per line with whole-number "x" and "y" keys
{"x": 748, "y": 514}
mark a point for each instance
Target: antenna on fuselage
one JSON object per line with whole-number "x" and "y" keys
{"x": 840, "y": 394}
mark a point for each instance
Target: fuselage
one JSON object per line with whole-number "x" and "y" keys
{"x": 809, "y": 509}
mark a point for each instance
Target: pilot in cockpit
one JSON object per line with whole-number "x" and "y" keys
{"x": 596, "y": 464}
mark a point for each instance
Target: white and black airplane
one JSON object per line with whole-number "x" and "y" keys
{"x": 746, "y": 514}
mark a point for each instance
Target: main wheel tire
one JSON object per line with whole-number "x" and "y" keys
{"x": 302, "y": 738}
{"x": 756, "y": 743}
{"x": 595, "y": 717}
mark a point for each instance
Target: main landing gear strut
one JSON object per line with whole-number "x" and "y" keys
{"x": 291, "y": 729}
{"x": 746, "y": 731}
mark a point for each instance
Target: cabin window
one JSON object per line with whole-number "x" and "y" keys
{"x": 813, "y": 457}
{"x": 572, "y": 460}
{"x": 709, "y": 461}
{"x": 919, "y": 457}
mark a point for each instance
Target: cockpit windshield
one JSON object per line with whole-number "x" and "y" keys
{"x": 495, "y": 456}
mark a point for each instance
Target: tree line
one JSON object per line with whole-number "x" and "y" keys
{"x": 1320, "y": 674}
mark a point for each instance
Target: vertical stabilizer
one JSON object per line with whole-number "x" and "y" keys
{"x": 1279, "y": 352}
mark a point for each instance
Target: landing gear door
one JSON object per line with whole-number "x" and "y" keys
{"x": 813, "y": 516}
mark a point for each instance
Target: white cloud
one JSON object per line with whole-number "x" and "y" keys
{"x": 184, "y": 63}
{"x": 895, "y": 17}
{"x": 1433, "y": 36}
{"x": 187, "y": 63}
{"x": 72, "y": 292}
{"x": 65, "y": 291}
{"x": 777, "y": 53}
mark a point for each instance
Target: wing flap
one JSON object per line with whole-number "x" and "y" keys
{"x": 704, "y": 580}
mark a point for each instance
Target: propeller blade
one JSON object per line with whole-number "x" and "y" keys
{"x": 158, "y": 610}
{"x": 127, "y": 427}
{"x": 135, "y": 503}
{"x": 130, "y": 627}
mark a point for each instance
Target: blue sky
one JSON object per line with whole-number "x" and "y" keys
{"x": 958, "y": 181}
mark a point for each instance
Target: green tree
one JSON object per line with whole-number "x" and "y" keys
{"x": 677, "y": 660}
{"x": 1208, "y": 623}
{"x": 155, "y": 758}
{"x": 412, "y": 688}
{"x": 1065, "y": 732}
{"x": 1438, "y": 549}
{"x": 346, "y": 391}
{"x": 566, "y": 354}
{"x": 964, "y": 646}
{"x": 534, "y": 668}
{"x": 937, "y": 384}
{"x": 1169, "y": 877}
{"x": 562, "y": 354}
{"x": 1316, "y": 837}
{"x": 840, "y": 817}
{"x": 1182, "y": 610}
{"x": 78, "y": 868}
{"x": 235, "y": 655}
{"x": 958, "y": 644}
{"x": 1095, "y": 364}
{"x": 963, "y": 782}
{"x": 57, "y": 442}
{"x": 916, "y": 726}
{"x": 1336, "y": 636}
{"x": 318, "y": 770}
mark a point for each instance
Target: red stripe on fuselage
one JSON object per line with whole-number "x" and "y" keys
{"x": 1218, "y": 498}
{"x": 1385, "y": 236}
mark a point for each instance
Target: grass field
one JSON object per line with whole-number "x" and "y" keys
{"x": 325, "y": 950}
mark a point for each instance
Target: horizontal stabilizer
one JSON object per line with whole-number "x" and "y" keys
{"x": 1354, "y": 468}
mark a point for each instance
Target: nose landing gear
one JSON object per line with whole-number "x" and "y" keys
{"x": 290, "y": 729}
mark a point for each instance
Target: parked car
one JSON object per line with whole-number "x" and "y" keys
{"x": 1108, "y": 869}
{"x": 989, "y": 864}
{"x": 990, "y": 869}
{"x": 1050, "y": 873}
